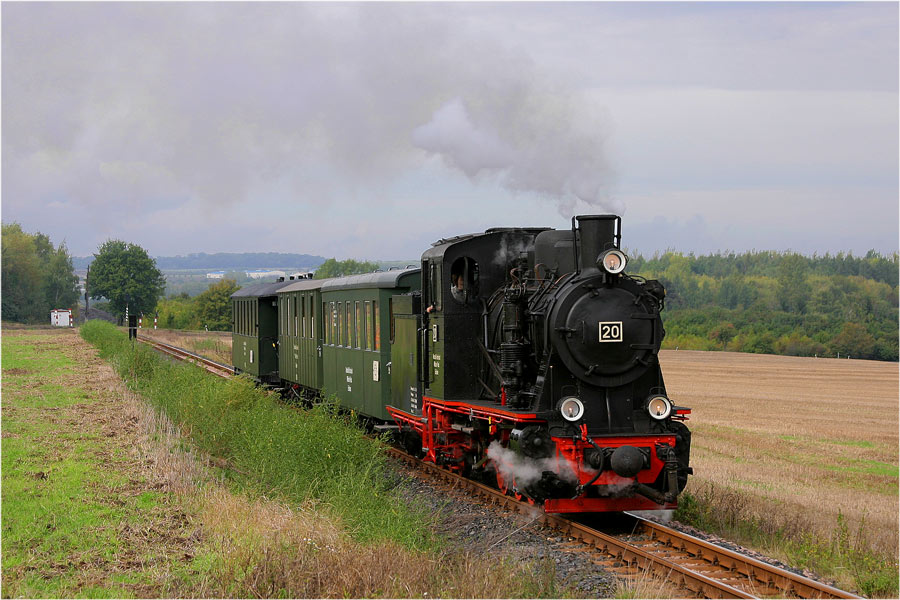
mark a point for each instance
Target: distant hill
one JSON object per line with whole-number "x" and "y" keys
{"x": 225, "y": 260}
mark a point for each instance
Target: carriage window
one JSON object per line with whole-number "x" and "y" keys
{"x": 256, "y": 319}
{"x": 339, "y": 339}
{"x": 329, "y": 315}
{"x": 463, "y": 279}
{"x": 336, "y": 323}
{"x": 357, "y": 326}
{"x": 303, "y": 314}
{"x": 391, "y": 317}
{"x": 347, "y": 324}
{"x": 377, "y": 345}
{"x": 354, "y": 326}
{"x": 312, "y": 318}
{"x": 368, "y": 328}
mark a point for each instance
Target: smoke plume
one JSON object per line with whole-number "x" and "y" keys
{"x": 121, "y": 106}
{"x": 531, "y": 141}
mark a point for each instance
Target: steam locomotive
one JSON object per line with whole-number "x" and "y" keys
{"x": 523, "y": 355}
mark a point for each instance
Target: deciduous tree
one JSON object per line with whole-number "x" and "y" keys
{"x": 723, "y": 334}
{"x": 126, "y": 275}
{"x": 214, "y": 305}
{"x": 337, "y": 268}
{"x": 36, "y": 276}
{"x": 854, "y": 341}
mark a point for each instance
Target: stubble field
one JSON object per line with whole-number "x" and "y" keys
{"x": 802, "y": 440}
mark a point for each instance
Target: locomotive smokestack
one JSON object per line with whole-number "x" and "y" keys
{"x": 596, "y": 233}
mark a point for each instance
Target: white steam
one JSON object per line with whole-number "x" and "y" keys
{"x": 531, "y": 142}
{"x": 508, "y": 252}
{"x": 526, "y": 471}
{"x": 451, "y": 134}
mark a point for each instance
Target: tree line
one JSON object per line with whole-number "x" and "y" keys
{"x": 764, "y": 302}
{"x": 779, "y": 303}
{"x": 37, "y": 277}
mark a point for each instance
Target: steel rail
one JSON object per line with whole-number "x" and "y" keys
{"x": 212, "y": 366}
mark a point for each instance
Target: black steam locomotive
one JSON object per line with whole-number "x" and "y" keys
{"x": 527, "y": 355}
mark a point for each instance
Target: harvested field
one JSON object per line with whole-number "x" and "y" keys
{"x": 801, "y": 439}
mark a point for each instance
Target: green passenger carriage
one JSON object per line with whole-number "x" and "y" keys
{"x": 356, "y": 351}
{"x": 300, "y": 335}
{"x": 255, "y": 330}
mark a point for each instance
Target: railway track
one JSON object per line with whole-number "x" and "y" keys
{"x": 697, "y": 566}
{"x": 212, "y": 366}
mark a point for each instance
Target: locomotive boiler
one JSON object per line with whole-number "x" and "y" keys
{"x": 531, "y": 357}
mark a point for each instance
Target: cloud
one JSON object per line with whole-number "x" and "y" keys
{"x": 214, "y": 102}
{"x": 288, "y": 118}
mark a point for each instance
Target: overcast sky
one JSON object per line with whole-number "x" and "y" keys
{"x": 371, "y": 130}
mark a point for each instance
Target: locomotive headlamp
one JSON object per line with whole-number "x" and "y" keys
{"x": 659, "y": 407}
{"x": 612, "y": 261}
{"x": 571, "y": 408}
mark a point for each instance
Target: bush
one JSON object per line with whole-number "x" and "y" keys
{"x": 799, "y": 345}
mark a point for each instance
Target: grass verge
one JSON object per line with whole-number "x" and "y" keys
{"x": 315, "y": 516}
{"x": 299, "y": 456}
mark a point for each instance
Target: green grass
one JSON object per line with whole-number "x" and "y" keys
{"x": 58, "y": 485}
{"x": 867, "y": 467}
{"x": 851, "y": 443}
{"x": 80, "y": 521}
{"x": 271, "y": 448}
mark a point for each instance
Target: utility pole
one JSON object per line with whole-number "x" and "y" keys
{"x": 87, "y": 306}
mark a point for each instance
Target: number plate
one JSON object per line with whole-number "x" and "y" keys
{"x": 610, "y": 331}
